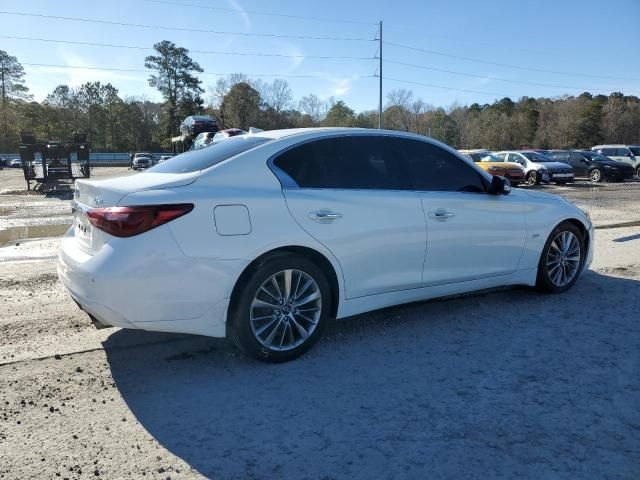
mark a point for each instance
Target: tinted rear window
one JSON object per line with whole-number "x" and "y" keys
{"x": 195, "y": 160}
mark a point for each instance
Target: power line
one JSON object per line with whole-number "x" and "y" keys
{"x": 212, "y": 52}
{"x": 446, "y": 88}
{"x": 253, "y": 12}
{"x": 184, "y": 29}
{"x": 135, "y": 70}
{"x": 525, "y": 82}
{"x": 507, "y": 65}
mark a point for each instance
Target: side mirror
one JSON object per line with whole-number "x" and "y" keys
{"x": 499, "y": 186}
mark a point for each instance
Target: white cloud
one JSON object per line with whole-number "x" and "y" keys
{"x": 289, "y": 49}
{"x": 78, "y": 76}
{"x": 242, "y": 12}
{"x": 339, "y": 85}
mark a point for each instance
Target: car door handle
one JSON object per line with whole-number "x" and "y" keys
{"x": 324, "y": 215}
{"x": 441, "y": 214}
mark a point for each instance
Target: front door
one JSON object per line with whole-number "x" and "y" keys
{"x": 470, "y": 234}
{"x": 580, "y": 164}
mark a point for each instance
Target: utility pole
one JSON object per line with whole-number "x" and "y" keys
{"x": 380, "y": 76}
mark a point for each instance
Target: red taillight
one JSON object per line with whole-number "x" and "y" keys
{"x": 130, "y": 221}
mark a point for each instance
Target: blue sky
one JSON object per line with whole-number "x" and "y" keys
{"x": 587, "y": 39}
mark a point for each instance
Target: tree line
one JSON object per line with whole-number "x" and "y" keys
{"x": 116, "y": 123}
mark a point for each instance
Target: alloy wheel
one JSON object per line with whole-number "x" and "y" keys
{"x": 286, "y": 310}
{"x": 595, "y": 175}
{"x": 563, "y": 258}
{"x": 532, "y": 178}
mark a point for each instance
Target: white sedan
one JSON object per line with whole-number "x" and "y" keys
{"x": 269, "y": 235}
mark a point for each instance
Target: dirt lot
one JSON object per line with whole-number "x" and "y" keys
{"x": 508, "y": 384}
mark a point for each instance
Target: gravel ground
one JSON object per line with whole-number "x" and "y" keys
{"x": 509, "y": 383}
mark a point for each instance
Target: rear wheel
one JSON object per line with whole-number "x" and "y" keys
{"x": 638, "y": 172}
{"x": 595, "y": 175}
{"x": 562, "y": 259}
{"x": 533, "y": 178}
{"x": 281, "y": 309}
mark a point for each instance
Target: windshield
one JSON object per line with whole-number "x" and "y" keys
{"x": 537, "y": 157}
{"x": 204, "y": 158}
{"x": 635, "y": 150}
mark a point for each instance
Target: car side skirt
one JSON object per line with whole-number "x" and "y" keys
{"x": 359, "y": 305}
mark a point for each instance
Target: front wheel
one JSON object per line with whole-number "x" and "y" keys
{"x": 562, "y": 259}
{"x": 281, "y": 309}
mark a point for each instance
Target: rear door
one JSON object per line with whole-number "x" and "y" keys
{"x": 352, "y": 194}
{"x": 471, "y": 234}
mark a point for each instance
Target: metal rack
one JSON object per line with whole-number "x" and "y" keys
{"x": 48, "y": 162}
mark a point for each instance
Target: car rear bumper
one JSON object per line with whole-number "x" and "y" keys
{"x": 146, "y": 282}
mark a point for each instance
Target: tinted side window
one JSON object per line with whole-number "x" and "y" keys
{"x": 608, "y": 151}
{"x": 365, "y": 162}
{"x": 577, "y": 158}
{"x": 560, "y": 156}
{"x": 434, "y": 169}
{"x": 512, "y": 157}
{"x": 621, "y": 152}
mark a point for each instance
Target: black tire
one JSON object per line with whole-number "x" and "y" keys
{"x": 239, "y": 324}
{"x": 533, "y": 178}
{"x": 561, "y": 183}
{"x": 543, "y": 281}
{"x": 596, "y": 175}
{"x": 638, "y": 172}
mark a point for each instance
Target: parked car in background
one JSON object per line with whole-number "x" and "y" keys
{"x": 629, "y": 154}
{"x": 264, "y": 238}
{"x": 493, "y": 165}
{"x": 203, "y": 140}
{"x": 164, "y": 158}
{"x": 195, "y": 124}
{"x": 141, "y": 161}
{"x": 15, "y": 163}
{"x": 227, "y": 133}
{"x": 594, "y": 166}
{"x": 538, "y": 167}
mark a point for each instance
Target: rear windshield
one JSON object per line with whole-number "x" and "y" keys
{"x": 202, "y": 118}
{"x": 195, "y": 160}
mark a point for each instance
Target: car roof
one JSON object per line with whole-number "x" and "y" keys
{"x": 322, "y": 131}
{"x": 613, "y": 145}
{"x": 475, "y": 150}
